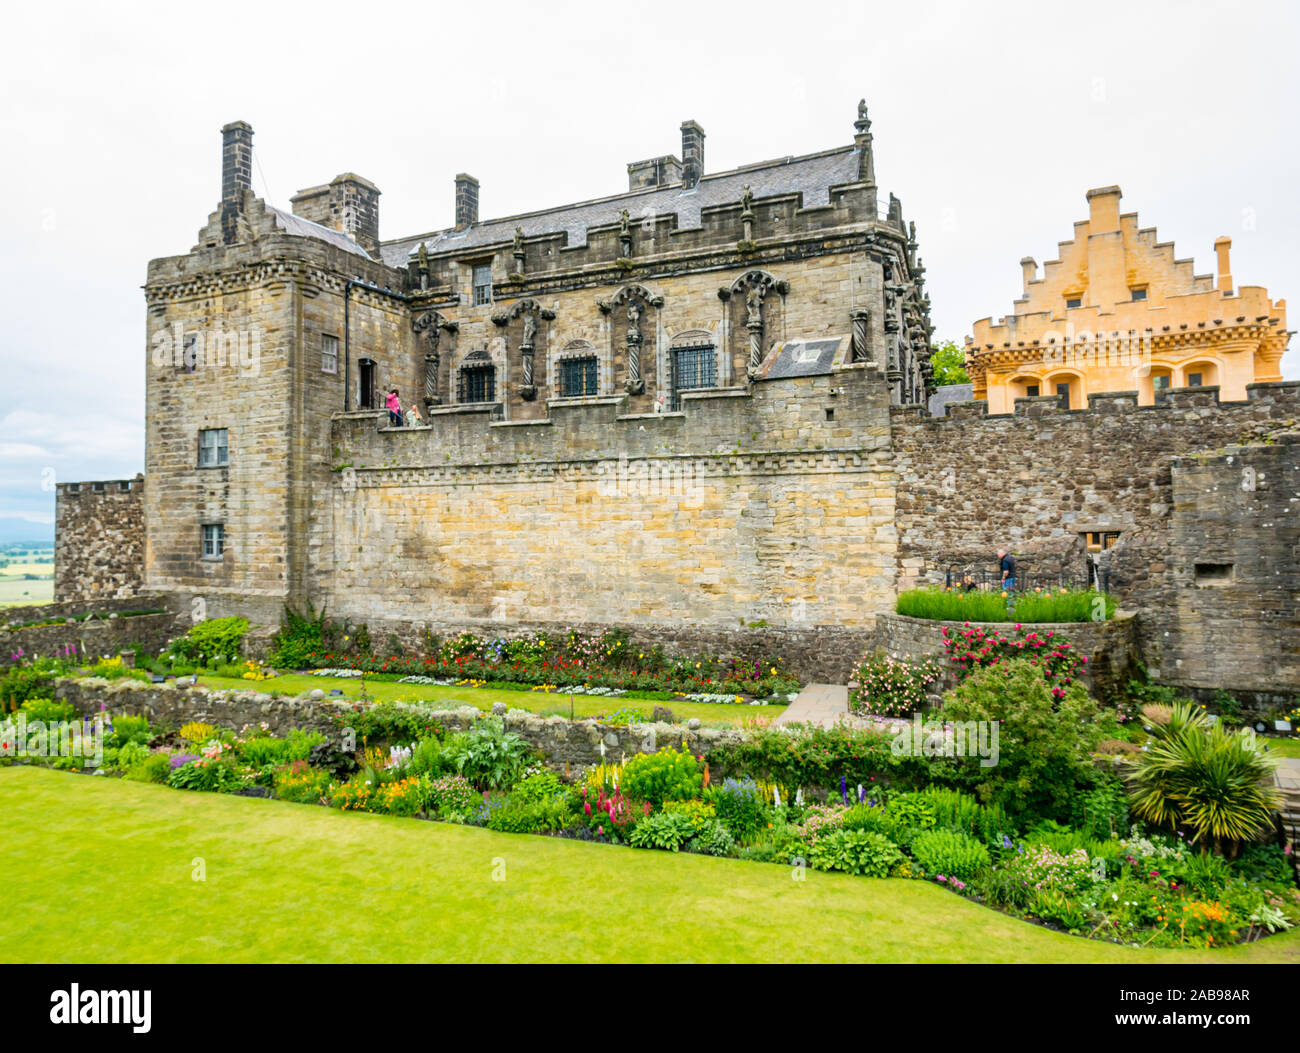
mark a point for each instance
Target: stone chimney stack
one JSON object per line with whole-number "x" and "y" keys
{"x": 236, "y": 176}
{"x": 347, "y": 203}
{"x": 692, "y": 154}
{"x": 1103, "y": 210}
{"x": 466, "y": 201}
{"x": 236, "y": 162}
{"x": 1222, "y": 246}
{"x": 1029, "y": 269}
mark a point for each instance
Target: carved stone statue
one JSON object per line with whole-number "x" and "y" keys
{"x": 530, "y": 329}
{"x": 747, "y": 198}
{"x": 519, "y": 241}
{"x": 754, "y": 305}
{"x": 633, "y": 321}
{"x": 624, "y": 222}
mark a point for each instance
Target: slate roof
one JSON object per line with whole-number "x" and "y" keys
{"x": 949, "y": 393}
{"x": 305, "y": 228}
{"x": 812, "y": 176}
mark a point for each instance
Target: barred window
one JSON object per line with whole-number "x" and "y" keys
{"x": 482, "y": 284}
{"x": 214, "y": 449}
{"x": 477, "y": 384}
{"x": 329, "y": 354}
{"x": 578, "y": 376}
{"x": 214, "y": 540}
{"x": 693, "y": 368}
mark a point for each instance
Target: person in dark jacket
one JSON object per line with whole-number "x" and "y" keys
{"x": 1007, "y": 569}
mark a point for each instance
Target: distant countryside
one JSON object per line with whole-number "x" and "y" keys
{"x": 26, "y": 574}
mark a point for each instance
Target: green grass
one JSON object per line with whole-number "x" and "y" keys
{"x": 980, "y": 606}
{"x": 100, "y": 870}
{"x": 1280, "y": 747}
{"x": 483, "y": 697}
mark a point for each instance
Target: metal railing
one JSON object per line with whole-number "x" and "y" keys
{"x": 988, "y": 579}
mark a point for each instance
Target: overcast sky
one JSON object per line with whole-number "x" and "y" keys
{"x": 991, "y": 121}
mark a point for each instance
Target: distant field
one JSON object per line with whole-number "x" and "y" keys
{"x": 17, "y": 591}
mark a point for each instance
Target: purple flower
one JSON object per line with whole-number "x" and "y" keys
{"x": 182, "y": 759}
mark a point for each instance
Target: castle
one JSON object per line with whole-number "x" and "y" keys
{"x": 1118, "y": 311}
{"x": 694, "y": 410}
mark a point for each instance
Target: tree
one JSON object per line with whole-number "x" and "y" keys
{"x": 949, "y": 363}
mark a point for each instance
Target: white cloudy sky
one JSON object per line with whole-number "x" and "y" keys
{"x": 990, "y": 126}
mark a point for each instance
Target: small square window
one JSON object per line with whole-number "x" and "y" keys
{"x": 1213, "y": 573}
{"x": 1194, "y": 380}
{"x": 1160, "y": 383}
{"x": 1073, "y": 302}
{"x": 214, "y": 450}
{"x": 1031, "y": 390}
{"x": 482, "y": 284}
{"x": 214, "y": 540}
{"x": 329, "y": 354}
{"x": 97, "y": 487}
{"x": 1138, "y": 294}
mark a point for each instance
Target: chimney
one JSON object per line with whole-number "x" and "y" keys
{"x": 1103, "y": 210}
{"x": 236, "y": 162}
{"x": 466, "y": 201}
{"x": 1222, "y": 246}
{"x": 658, "y": 171}
{"x": 1029, "y": 269}
{"x": 347, "y": 203}
{"x": 692, "y": 154}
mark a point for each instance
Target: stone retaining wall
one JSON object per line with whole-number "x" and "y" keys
{"x": 1110, "y": 646}
{"x": 576, "y": 743}
{"x": 95, "y": 638}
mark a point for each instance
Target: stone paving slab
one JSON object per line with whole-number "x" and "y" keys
{"x": 824, "y": 704}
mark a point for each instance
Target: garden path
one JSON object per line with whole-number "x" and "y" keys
{"x": 823, "y": 704}
{"x": 1288, "y": 780}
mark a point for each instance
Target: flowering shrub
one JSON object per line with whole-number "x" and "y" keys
{"x": 669, "y": 775}
{"x": 855, "y": 852}
{"x": 890, "y": 686}
{"x": 822, "y": 819}
{"x": 301, "y": 783}
{"x": 404, "y": 797}
{"x": 1038, "y": 867}
{"x": 452, "y": 794}
{"x": 974, "y": 647}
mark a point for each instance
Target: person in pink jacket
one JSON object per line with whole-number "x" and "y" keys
{"x": 394, "y": 405}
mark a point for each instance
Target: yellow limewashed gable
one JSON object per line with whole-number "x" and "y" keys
{"x": 1118, "y": 311}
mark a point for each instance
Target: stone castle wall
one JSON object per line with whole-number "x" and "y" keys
{"x": 99, "y": 540}
{"x": 1034, "y": 481}
{"x": 774, "y": 507}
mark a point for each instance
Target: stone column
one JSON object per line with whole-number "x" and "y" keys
{"x": 860, "y": 350}
{"x": 431, "y": 362}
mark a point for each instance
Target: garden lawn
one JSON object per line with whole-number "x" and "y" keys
{"x": 483, "y": 697}
{"x": 99, "y": 870}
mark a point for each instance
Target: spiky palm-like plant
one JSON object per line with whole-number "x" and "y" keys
{"x": 1215, "y": 783}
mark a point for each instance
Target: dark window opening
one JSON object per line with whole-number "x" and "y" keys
{"x": 1100, "y": 541}
{"x": 477, "y": 384}
{"x": 1138, "y": 294}
{"x": 1213, "y": 573}
{"x": 1073, "y": 302}
{"x": 830, "y": 414}
{"x": 1194, "y": 380}
{"x": 97, "y": 487}
{"x": 578, "y": 376}
{"x": 366, "y": 397}
{"x": 694, "y": 368}
{"x": 1160, "y": 383}
{"x": 1031, "y": 390}
{"x": 1063, "y": 392}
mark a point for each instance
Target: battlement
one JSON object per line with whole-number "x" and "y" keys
{"x": 1281, "y": 394}
{"x": 840, "y": 413}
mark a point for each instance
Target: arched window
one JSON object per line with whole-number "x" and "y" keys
{"x": 1200, "y": 374}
